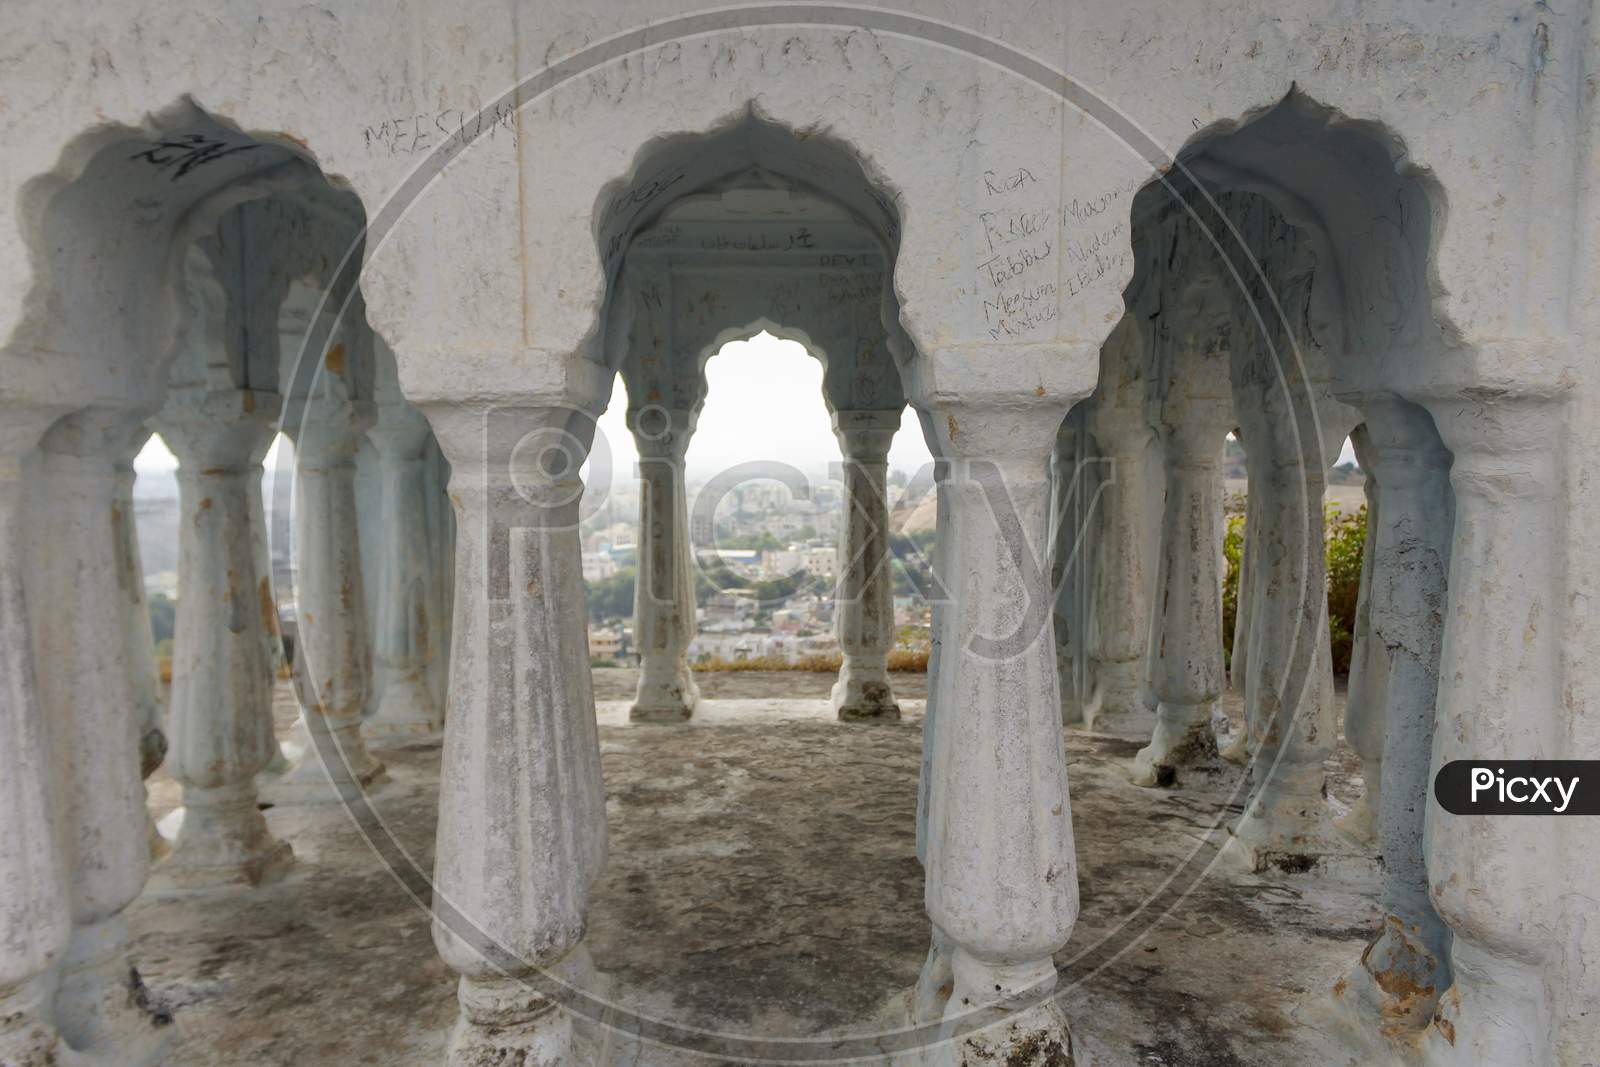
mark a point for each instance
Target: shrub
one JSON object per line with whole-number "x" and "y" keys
{"x": 909, "y": 660}
{"x": 1232, "y": 550}
{"x": 1345, "y": 539}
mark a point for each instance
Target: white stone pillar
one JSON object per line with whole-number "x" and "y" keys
{"x": 1288, "y": 695}
{"x": 1369, "y": 671}
{"x": 1402, "y": 973}
{"x": 522, "y": 831}
{"x": 1239, "y": 661}
{"x": 1187, "y": 672}
{"x": 864, "y": 601}
{"x": 663, "y": 597}
{"x": 1075, "y": 525}
{"x": 934, "y": 984}
{"x": 1119, "y": 638}
{"x": 93, "y": 734}
{"x": 223, "y": 672}
{"x": 333, "y": 654}
{"x": 406, "y": 641}
{"x": 1499, "y": 881}
{"x": 138, "y": 643}
{"x": 35, "y": 917}
{"x": 1238, "y": 750}
{"x": 1001, "y": 886}
{"x": 272, "y": 631}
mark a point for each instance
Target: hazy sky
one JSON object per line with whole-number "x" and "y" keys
{"x": 764, "y": 401}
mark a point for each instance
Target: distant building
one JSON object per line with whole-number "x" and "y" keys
{"x": 605, "y": 642}
{"x": 730, "y": 609}
{"x": 598, "y": 566}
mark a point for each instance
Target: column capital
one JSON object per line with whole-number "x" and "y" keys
{"x": 332, "y": 433}
{"x": 1119, "y": 430}
{"x": 1504, "y": 446}
{"x": 219, "y": 428}
{"x": 865, "y": 434}
{"x": 1403, "y": 449}
{"x": 98, "y": 433}
{"x": 1194, "y": 441}
{"x": 400, "y": 432}
{"x": 22, "y": 424}
{"x": 1003, "y": 430}
{"x": 661, "y": 433}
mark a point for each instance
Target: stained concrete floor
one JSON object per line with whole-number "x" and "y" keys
{"x": 762, "y": 882}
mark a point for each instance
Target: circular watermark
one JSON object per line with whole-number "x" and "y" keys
{"x": 545, "y": 464}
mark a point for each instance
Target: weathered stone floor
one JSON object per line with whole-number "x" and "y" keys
{"x": 762, "y": 881}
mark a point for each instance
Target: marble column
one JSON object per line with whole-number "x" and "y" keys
{"x": 138, "y": 642}
{"x": 333, "y": 653}
{"x": 1187, "y": 672}
{"x": 1119, "y": 638}
{"x": 1369, "y": 672}
{"x": 1406, "y": 967}
{"x": 1001, "y": 885}
{"x": 272, "y": 629}
{"x": 35, "y": 916}
{"x": 405, "y": 643}
{"x": 932, "y": 991}
{"x": 522, "y": 829}
{"x": 663, "y": 597}
{"x": 864, "y": 601}
{"x": 1238, "y": 749}
{"x": 1073, "y": 513}
{"x": 1288, "y": 694}
{"x": 223, "y": 672}
{"x": 1499, "y": 881}
{"x": 93, "y": 735}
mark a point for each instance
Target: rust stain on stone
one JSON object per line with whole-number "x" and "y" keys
{"x": 269, "y": 612}
{"x": 335, "y": 360}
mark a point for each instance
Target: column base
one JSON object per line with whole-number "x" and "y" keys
{"x": 1496, "y": 1012}
{"x": 407, "y": 711}
{"x": 102, "y": 1008}
{"x": 308, "y": 781}
{"x": 223, "y": 841}
{"x": 504, "y": 1022}
{"x": 1360, "y": 823}
{"x": 1182, "y": 738}
{"x": 660, "y": 712}
{"x": 1116, "y": 705}
{"x": 26, "y": 1040}
{"x": 1395, "y": 988}
{"x": 982, "y": 1028}
{"x": 673, "y": 700}
{"x": 1238, "y": 751}
{"x": 864, "y": 699}
{"x": 277, "y": 766}
{"x": 935, "y": 984}
{"x": 1292, "y": 834}
{"x": 160, "y": 847}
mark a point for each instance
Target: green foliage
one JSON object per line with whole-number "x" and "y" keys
{"x": 612, "y": 598}
{"x": 1232, "y": 550}
{"x": 708, "y": 583}
{"x": 163, "y": 616}
{"x": 1346, "y": 541}
{"x": 761, "y": 542}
